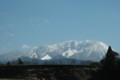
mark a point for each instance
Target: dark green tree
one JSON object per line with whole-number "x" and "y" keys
{"x": 8, "y": 63}
{"x": 110, "y": 58}
{"x": 20, "y": 62}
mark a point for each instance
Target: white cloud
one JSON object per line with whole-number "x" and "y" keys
{"x": 6, "y": 46}
{"x": 11, "y": 25}
{"x": 35, "y": 47}
{"x": 34, "y": 22}
{"x": 26, "y": 46}
{"x": 10, "y": 34}
{"x": 2, "y": 48}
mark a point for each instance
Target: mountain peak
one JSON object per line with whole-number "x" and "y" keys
{"x": 78, "y": 50}
{"x": 81, "y": 50}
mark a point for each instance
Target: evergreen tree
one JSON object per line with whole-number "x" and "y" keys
{"x": 110, "y": 58}
{"x": 20, "y": 61}
{"x": 8, "y": 64}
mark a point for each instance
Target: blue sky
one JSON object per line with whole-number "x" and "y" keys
{"x": 25, "y": 24}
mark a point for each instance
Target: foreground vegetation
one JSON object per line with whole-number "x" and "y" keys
{"x": 108, "y": 68}
{"x": 47, "y": 72}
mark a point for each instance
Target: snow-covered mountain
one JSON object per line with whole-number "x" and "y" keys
{"x": 78, "y": 50}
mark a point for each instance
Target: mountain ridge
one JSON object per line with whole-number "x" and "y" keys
{"x": 78, "y": 50}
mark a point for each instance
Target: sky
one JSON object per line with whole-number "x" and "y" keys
{"x": 26, "y": 24}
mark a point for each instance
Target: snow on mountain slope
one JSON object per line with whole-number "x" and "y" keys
{"x": 69, "y": 53}
{"x": 80, "y": 50}
{"x": 46, "y": 57}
